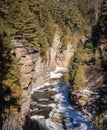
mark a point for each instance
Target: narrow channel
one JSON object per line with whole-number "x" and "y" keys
{"x": 51, "y": 108}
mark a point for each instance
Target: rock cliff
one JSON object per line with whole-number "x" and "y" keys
{"x": 35, "y": 72}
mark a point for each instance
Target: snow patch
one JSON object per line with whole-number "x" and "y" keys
{"x": 37, "y": 117}
{"x": 61, "y": 69}
{"x": 54, "y": 126}
{"x": 54, "y": 75}
{"x": 52, "y": 105}
{"x": 74, "y": 119}
{"x": 87, "y": 91}
{"x": 39, "y": 87}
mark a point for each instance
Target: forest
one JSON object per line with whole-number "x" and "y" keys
{"x": 32, "y": 22}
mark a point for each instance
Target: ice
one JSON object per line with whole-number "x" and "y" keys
{"x": 52, "y": 105}
{"x": 37, "y": 117}
{"x": 54, "y": 75}
{"x": 74, "y": 119}
{"x": 87, "y": 91}
{"x": 39, "y": 105}
{"x": 43, "y": 86}
{"x": 54, "y": 89}
{"x": 54, "y": 126}
{"x": 58, "y": 96}
{"x": 57, "y": 74}
{"x": 39, "y": 87}
{"x": 61, "y": 69}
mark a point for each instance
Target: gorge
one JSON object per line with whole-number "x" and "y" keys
{"x": 53, "y": 65}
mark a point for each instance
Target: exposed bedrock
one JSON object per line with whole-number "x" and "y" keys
{"x": 35, "y": 72}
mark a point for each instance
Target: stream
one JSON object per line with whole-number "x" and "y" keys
{"x": 51, "y": 109}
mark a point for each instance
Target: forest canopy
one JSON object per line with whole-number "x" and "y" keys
{"x": 32, "y": 22}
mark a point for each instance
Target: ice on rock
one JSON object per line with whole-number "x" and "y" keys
{"x": 37, "y": 117}
{"x": 54, "y": 126}
{"x": 52, "y": 105}
{"x": 72, "y": 119}
{"x": 54, "y": 75}
{"x": 57, "y": 74}
{"x": 61, "y": 69}
{"x": 86, "y": 91}
{"x": 40, "y": 87}
{"x": 58, "y": 96}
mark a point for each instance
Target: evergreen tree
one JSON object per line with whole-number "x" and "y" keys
{"x": 32, "y": 22}
{"x": 10, "y": 90}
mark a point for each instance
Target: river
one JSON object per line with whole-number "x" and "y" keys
{"x": 51, "y": 108}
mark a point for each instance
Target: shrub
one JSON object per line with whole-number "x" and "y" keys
{"x": 66, "y": 77}
{"x": 80, "y": 79}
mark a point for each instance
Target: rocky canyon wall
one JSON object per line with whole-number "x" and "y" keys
{"x": 35, "y": 72}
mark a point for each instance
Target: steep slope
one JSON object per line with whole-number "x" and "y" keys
{"x": 40, "y": 41}
{"x": 35, "y": 72}
{"x": 88, "y": 73}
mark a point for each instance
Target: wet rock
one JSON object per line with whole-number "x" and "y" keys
{"x": 82, "y": 101}
{"x": 47, "y": 95}
{"x": 37, "y": 124}
{"x": 33, "y": 70}
{"x": 43, "y": 111}
{"x": 57, "y": 118}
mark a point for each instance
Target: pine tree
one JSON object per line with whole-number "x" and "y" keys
{"x": 10, "y": 90}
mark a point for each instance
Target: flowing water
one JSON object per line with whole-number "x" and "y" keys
{"x": 51, "y": 109}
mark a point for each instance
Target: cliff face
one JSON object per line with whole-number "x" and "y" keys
{"x": 35, "y": 72}
{"x": 56, "y": 57}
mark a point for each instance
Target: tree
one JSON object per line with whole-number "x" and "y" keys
{"x": 10, "y": 89}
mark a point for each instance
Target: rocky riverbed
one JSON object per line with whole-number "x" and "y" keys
{"x": 51, "y": 109}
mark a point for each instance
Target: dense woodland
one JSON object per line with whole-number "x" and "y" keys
{"x": 32, "y": 22}
{"x": 88, "y": 62}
